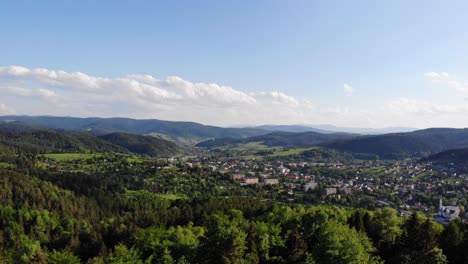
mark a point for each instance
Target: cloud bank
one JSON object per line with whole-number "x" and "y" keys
{"x": 39, "y": 91}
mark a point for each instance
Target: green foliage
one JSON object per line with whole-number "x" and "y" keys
{"x": 337, "y": 243}
{"x": 123, "y": 255}
{"x": 63, "y": 257}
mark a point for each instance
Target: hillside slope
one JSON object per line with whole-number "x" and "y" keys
{"x": 31, "y": 140}
{"x": 145, "y": 145}
{"x": 280, "y": 139}
{"x": 17, "y": 137}
{"x": 400, "y": 145}
{"x": 455, "y": 156}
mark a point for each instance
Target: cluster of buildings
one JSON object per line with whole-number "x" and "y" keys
{"x": 401, "y": 185}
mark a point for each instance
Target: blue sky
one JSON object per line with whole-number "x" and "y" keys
{"x": 306, "y": 50}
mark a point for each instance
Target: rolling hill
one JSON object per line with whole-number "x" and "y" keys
{"x": 180, "y": 132}
{"x": 280, "y": 139}
{"x": 401, "y": 145}
{"x": 17, "y": 137}
{"x": 455, "y": 156}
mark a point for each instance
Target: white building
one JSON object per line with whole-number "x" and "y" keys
{"x": 310, "y": 186}
{"x": 449, "y": 212}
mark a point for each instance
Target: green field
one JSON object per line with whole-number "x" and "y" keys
{"x": 289, "y": 152}
{"x": 253, "y": 150}
{"x": 71, "y": 156}
{"x": 171, "y": 197}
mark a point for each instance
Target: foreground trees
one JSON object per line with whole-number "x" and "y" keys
{"x": 107, "y": 223}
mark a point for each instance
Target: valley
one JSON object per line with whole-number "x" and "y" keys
{"x": 83, "y": 197}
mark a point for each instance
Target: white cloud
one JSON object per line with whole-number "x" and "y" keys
{"x": 447, "y": 79}
{"x": 348, "y": 89}
{"x": 6, "y": 110}
{"x": 412, "y": 106}
{"x": 41, "y": 93}
{"x": 54, "y": 92}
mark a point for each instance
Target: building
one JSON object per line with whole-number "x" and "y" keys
{"x": 330, "y": 191}
{"x": 238, "y": 177}
{"x": 346, "y": 190}
{"x": 310, "y": 186}
{"x": 449, "y": 212}
{"x": 271, "y": 181}
{"x": 251, "y": 180}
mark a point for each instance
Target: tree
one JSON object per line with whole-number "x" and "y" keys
{"x": 63, "y": 257}
{"x": 225, "y": 238}
{"x": 451, "y": 239}
{"x": 296, "y": 247}
{"x": 339, "y": 244}
{"x": 122, "y": 255}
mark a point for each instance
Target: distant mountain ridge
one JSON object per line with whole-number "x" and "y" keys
{"x": 293, "y": 128}
{"x": 328, "y": 129}
{"x": 184, "y": 132}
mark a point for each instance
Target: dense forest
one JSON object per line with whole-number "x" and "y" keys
{"x": 128, "y": 216}
{"x": 22, "y": 138}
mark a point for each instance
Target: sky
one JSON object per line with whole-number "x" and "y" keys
{"x": 230, "y": 63}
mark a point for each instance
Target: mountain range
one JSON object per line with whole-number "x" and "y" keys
{"x": 187, "y": 133}
{"x": 156, "y": 137}
{"x": 328, "y": 129}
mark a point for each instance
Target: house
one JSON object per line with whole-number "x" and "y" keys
{"x": 271, "y": 181}
{"x": 330, "y": 191}
{"x": 251, "y": 180}
{"x": 238, "y": 177}
{"x": 346, "y": 190}
{"x": 293, "y": 177}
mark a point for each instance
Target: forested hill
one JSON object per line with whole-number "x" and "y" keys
{"x": 32, "y": 140}
{"x": 401, "y": 145}
{"x": 280, "y": 139}
{"x": 139, "y": 144}
{"x": 455, "y": 156}
{"x": 17, "y": 137}
{"x": 181, "y": 132}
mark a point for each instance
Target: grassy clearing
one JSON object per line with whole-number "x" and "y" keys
{"x": 289, "y": 152}
{"x": 419, "y": 176}
{"x": 245, "y": 147}
{"x": 137, "y": 159}
{"x": 171, "y": 197}
{"x": 71, "y": 156}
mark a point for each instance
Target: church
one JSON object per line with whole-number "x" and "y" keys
{"x": 449, "y": 212}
